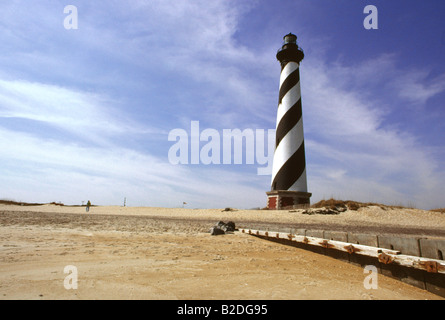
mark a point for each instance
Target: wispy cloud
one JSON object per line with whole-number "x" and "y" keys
{"x": 50, "y": 170}
{"x": 84, "y": 115}
{"x": 349, "y": 142}
{"x": 136, "y": 70}
{"x": 417, "y": 87}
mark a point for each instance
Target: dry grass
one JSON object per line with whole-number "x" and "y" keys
{"x": 27, "y": 204}
{"x": 350, "y": 204}
{"x": 17, "y": 203}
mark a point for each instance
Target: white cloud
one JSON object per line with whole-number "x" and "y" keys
{"x": 187, "y": 51}
{"x": 41, "y": 170}
{"x": 194, "y": 41}
{"x": 86, "y": 115}
{"x": 417, "y": 88}
{"x": 350, "y": 149}
{"x": 165, "y": 44}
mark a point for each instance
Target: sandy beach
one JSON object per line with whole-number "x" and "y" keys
{"x": 161, "y": 253}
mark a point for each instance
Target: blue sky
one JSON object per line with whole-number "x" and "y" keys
{"x": 86, "y": 113}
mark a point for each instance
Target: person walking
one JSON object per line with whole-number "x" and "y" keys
{"x": 88, "y": 206}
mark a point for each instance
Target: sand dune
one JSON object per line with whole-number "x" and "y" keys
{"x": 159, "y": 253}
{"x": 427, "y": 223}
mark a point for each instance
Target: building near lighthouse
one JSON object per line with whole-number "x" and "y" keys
{"x": 289, "y": 183}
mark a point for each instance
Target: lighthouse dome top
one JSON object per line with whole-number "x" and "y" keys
{"x": 290, "y": 38}
{"x": 290, "y": 51}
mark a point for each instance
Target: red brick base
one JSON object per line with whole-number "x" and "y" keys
{"x": 285, "y": 200}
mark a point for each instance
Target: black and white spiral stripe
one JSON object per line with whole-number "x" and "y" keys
{"x": 289, "y": 164}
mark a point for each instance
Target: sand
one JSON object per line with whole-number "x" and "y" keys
{"x": 165, "y": 254}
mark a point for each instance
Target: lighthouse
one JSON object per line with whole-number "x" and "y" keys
{"x": 289, "y": 183}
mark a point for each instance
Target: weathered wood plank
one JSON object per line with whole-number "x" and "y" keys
{"x": 385, "y": 256}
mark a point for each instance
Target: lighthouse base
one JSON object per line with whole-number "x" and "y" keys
{"x": 285, "y": 200}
